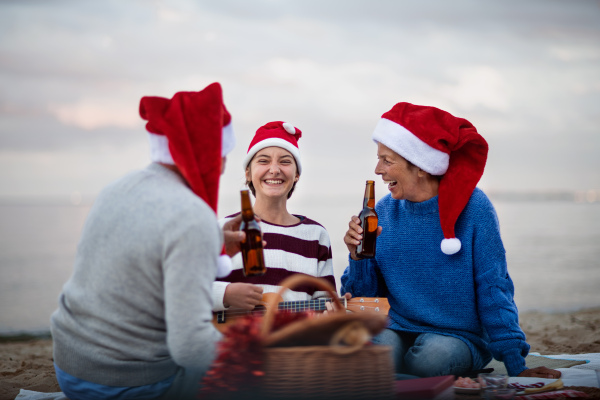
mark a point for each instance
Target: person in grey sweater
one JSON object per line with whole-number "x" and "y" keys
{"x": 134, "y": 319}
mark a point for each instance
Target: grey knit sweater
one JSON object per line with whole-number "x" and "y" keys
{"x": 138, "y": 304}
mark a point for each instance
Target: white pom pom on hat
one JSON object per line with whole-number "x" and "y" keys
{"x": 224, "y": 266}
{"x": 440, "y": 144}
{"x": 289, "y": 128}
{"x": 450, "y": 246}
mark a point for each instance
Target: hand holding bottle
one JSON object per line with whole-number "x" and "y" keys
{"x": 233, "y": 237}
{"x": 361, "y": 238}
{"x": 354, "y": 236}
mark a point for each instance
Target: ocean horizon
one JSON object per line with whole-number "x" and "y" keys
{"x": 551, "y": 238}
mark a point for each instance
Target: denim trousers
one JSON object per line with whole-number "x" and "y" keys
{"x": 425, "y": 354}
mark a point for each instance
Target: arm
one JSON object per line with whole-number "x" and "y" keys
{"x": 361, "y": 277}
{"x": 237, "y": 295}
{"x": 191, "y": 249}
{"x": 494, "y": 289}
{"x": 324, "y": 263}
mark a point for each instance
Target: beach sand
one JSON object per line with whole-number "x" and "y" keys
{"x": 28, "y": 364}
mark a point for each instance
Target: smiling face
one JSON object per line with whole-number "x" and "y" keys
{"x": 272, "y": 172}
{"x": 402, "y": 176}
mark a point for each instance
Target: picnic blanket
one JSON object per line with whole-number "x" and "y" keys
{"x": 536, "y": 360}
{"x": 577, "y": 370}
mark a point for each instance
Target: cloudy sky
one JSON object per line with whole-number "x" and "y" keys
{"x": 525, "y": 73}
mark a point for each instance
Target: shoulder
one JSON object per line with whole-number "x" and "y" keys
{"x": 309, "y": 222}
{"x": 479, "y": 202}
{"x": 480, "y": 208}
{"x": 309, "y": 229}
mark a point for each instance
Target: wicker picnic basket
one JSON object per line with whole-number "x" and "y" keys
{"x": 329, "y": 357}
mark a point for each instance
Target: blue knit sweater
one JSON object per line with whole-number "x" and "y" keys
{"x": 468, "y": 295}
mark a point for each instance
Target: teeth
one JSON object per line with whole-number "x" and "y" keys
{"x": 274, "y": 181}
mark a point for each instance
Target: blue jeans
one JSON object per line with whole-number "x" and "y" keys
{"x": 426, "y": 354}
{"x": 185, "y": 385}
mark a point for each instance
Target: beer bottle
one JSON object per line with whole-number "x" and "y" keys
{"x": 252, "y": 246}
{"x": 368, "y": 221}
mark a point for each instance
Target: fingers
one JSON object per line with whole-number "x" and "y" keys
{"x": 379, "y": 230}
{"x": 353, "y": 236}
{"x": 354, "y": 224}
{"x": 347, "y": 296}
{"x": 243, "y": 295}
{"x": 233, "y": 236}
{"x": 232, "y": 240}
{"x": 541, "y": 372}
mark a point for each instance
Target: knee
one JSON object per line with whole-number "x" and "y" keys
{"x": 435, "y": 355}
{"x": 390, "y": 338}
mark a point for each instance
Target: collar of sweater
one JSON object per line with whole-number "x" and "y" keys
{"x": 424, "y": 207}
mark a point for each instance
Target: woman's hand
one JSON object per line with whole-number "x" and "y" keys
{"x": 541, "y": 372}
{"x": 331, "y": 306}
{"x": 242, "y": 295}
{"x": 354, "y": 235}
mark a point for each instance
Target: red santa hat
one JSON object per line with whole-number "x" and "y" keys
{"x": 276, "y": 134}
{"x": 440, "y": 144}
{"x": 192, "y": 131}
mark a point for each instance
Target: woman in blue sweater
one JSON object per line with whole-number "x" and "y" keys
{"x": 451, "y": 306}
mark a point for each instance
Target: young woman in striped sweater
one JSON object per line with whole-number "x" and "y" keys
{"x": 294, "y": 243}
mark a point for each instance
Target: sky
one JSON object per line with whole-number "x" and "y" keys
{"x": 525, "y": 73}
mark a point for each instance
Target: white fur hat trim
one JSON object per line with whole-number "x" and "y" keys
{"x": 159, "y": 149}
{"x": 409, "y": 146}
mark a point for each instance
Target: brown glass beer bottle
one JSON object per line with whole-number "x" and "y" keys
{"x": 252, "y": 246}
{"x": 368, "y": 221}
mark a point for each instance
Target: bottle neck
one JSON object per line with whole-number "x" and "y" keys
{"x": 247, "y": 212}
{"x": 369, "y": 200}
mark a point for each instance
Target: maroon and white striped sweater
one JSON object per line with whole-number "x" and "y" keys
{"x": 301, "y": 248}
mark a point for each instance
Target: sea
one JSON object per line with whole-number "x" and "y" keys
{"x": 552, "y": 245}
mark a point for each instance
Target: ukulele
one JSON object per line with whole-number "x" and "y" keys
{"x": 222, "y": 319}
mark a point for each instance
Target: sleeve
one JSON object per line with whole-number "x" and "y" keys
{"x": 324, "y": 263}
{"x": 361, "y": 278}
{"x": 496, "y": 307}
{"x": 218, "y": 295}
{"x": 190, "y": 258}
{"x": 218, "y": 287}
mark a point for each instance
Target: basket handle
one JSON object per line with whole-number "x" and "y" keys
{"x": 289, "y": 283}
{"x": 354, "y": 334}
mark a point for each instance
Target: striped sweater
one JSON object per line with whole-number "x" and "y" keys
{"x": 301, "y": 248}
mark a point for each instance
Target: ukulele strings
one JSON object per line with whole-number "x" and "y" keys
{"x": 316, "y": 306}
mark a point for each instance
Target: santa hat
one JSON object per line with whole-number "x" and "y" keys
{"x": 275, "y": 134}
{"x": 440, "y": 144}
{"x": 188, "y": 131}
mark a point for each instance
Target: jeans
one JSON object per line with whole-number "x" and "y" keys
{"x": 185, "y": 386}
{"x": 426, "y": 354}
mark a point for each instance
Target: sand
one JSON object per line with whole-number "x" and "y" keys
{"x": 28, "y": 364}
